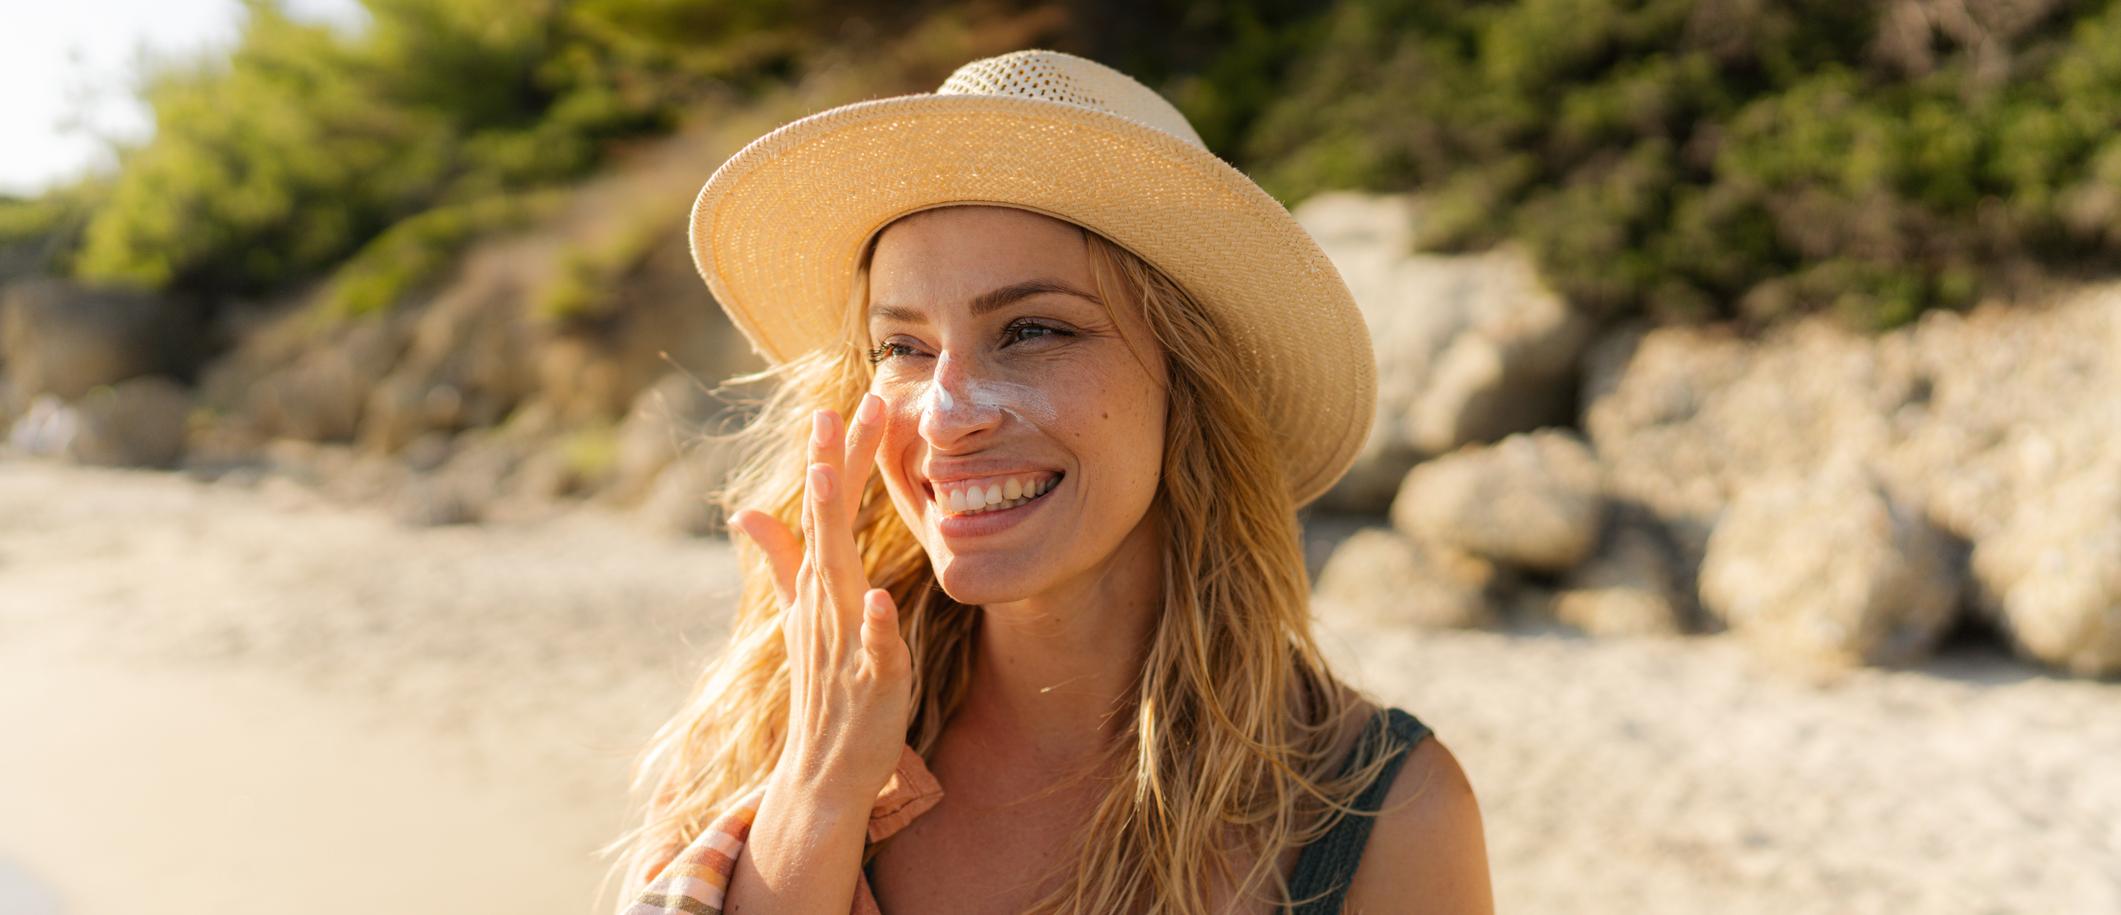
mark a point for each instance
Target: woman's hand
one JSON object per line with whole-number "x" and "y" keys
{"x": 850, "y": 673}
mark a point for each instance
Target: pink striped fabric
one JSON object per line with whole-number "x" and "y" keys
{"x": 694, "y": 877}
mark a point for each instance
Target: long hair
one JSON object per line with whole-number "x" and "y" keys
{"x": 1229, "y": 756}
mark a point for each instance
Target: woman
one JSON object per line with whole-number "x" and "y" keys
{"x": 1024, "y": 625}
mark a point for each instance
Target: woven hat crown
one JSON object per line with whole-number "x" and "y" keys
{"x": 1056, "y": 77}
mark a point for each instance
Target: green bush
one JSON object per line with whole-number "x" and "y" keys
{"x": 1693, "y": 158}
{"x": 590, "y": 274}
{"x": 1675, "y": 158}
{"x": 414, "y": 252}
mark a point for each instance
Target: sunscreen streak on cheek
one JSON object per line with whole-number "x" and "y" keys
{"x": 1028, "y": 404}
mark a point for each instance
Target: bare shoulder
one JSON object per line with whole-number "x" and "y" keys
{"x": 1427, "y": 852}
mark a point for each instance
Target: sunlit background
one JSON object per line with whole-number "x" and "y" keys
{"x": 1743, "y": 505}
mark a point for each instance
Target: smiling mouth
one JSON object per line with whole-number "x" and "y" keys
{"x": 961, "y": 498}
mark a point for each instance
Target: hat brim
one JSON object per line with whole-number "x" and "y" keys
{"x": 778, "y": 231}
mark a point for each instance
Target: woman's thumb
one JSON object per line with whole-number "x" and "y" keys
{"x": 783, "y": 551}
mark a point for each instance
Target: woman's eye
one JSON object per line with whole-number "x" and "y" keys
{"x": 1024, "y": 330}
{"x": 890, "y": 349}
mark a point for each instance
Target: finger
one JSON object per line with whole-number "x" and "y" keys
{"x": 783, "y": 551}
{"x": 832, "y": 549}
{"x": 863, "y": 436}
{"x": 880, "y": 635}
{"x": 823, "y": 426}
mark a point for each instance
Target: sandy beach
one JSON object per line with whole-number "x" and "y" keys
{"x": 237, "y": 699}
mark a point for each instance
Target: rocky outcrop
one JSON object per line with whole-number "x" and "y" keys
{"x": 138, "y": 422}
{"x": 64, "y": 339}
{"x": 46, "y": 428}
{"x": 683, "y": 498}
{"x": 670, "y": 419}
{"x": 1469, "y": 348}
{"x": 1381, "y": 576}
{"x": 292, "y": 373}
{"x": 1530, "y": 500}
{"x": 1967, "y": 422}
{"x": 2052, "y": 574}
{"x": 1629, "y": 587}
{"x": 1830, "y": 571}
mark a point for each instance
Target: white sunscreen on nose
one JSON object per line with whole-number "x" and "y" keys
{"x": 1028, "y": 404}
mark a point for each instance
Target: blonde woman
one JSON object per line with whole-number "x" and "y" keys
{"x": 1024, "y": 625}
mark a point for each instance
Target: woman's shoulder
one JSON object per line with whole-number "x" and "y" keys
{"x": 1427, "y": 842}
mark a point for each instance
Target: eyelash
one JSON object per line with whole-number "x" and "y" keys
{"x": 888, "y": 349}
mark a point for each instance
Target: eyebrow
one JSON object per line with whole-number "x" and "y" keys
{"x": 991, "y": 300}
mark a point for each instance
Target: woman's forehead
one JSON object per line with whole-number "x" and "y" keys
{"x": 951, "y": 255}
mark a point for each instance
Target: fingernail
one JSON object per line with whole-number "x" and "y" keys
{"x": 868, "y": 410}
{"x": 820, "y": 483}
{"x": 821, "y": 426}
{"x": 741, "y": 523}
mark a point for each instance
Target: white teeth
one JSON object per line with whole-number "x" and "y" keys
{"x": 1008, "y": 493}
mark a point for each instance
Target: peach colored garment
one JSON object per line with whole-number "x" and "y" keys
{"x": 692, "y": 879}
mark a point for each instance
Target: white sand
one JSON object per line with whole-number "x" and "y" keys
{"x": 233, "y": 701}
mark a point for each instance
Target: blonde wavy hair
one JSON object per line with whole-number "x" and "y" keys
{"x": 1235, "y": 717}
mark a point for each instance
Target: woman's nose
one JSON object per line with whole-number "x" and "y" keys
{"x": 951, "y": 411}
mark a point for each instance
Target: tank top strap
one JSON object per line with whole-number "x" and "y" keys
{"x": 1325, "y": 867}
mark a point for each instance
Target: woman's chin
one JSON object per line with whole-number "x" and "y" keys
{"x": 982, "y": 580}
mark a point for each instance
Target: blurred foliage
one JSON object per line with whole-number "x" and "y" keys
{"x": 1700, "y": 158}
{"x": 308, "y": 144}
{"x": 590, "y": 274}
{"x": 591, "y": 452}
{"x": 416, "y": 249}
{"x": 1680, "y": 158}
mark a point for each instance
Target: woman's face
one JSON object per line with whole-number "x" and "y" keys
{"x": 1024, "y": 420}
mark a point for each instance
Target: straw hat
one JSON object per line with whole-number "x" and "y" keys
{"x": 779, "y": 229}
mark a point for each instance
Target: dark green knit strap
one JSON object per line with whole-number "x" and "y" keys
{"x": 1326, "y": 866}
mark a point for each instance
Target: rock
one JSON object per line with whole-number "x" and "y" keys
{"x": 46, "y": 428}
{"x": 438, "y": 501}
{"x": 1963, "y": 418}
{"x": 1627, "y": 588}
{"x": 1531, "y": 500}
{"x": 1684, "y": 417}
{"x": 64, "y": 339}
{"x": 657, "y": 319}
{"x": 1378, "y": 575}
{"x": 319, "y": 396}
{"x": 683, "y": 499}
{"x": 428, "y": 452}
{"x": 546, "y": 475}
{"x": 1469, "y": 347}
{"x": 1829, "y": 571}
{"x": 2012, "y": 401}
{"x": 2052, "y": 575}
{"x": 468, "y": 359}
{"x": 1512, "y": 371}
{"x": 667, "y": 420}
{"x": 138, "y": 422}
